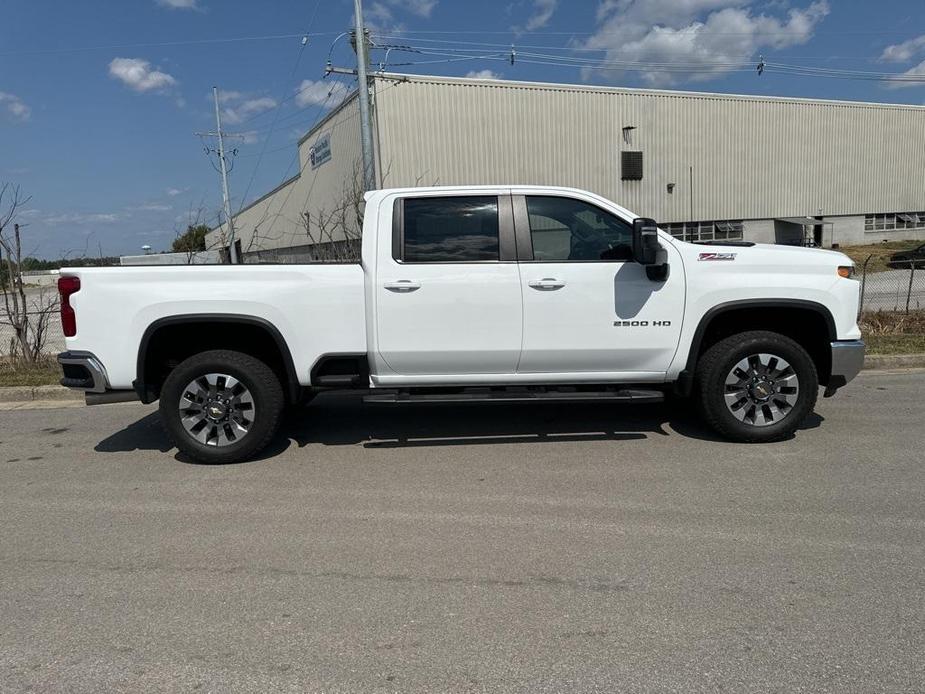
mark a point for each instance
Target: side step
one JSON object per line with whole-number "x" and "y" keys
{"x": 634, "y": 395}
{"x": 338, "y": 380}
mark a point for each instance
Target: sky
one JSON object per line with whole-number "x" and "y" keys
{"x": 100, "y": 100}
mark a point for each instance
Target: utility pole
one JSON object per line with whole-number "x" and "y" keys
{"x": 226, "y": 198}
{"x": 366, "y": 134}
{"x": 232, "y": 250}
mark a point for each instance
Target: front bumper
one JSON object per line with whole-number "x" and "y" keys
{"x": 847, "y": 362}
{"x": 83, "y": 371}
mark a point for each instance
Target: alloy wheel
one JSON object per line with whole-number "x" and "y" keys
{"x": 761, "y": 389}
{"x": 217, "y": 409}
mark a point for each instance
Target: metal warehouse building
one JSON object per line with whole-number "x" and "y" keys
{"x": 706, "y": 166}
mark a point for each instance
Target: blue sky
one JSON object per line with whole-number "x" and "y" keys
{"x": 99, "y": 100}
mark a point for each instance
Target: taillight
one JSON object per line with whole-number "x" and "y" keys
{"x": 66, "y": 287}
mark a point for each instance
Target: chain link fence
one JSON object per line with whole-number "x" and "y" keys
{"x": 899, "y": 287}
{"x": 39, "y": 299}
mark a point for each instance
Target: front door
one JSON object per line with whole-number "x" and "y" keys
{"x": 448, "y": 289}
{"x": 589, "y": 308}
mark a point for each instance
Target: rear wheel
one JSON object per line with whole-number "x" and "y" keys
{"x": 756, "y": 386}
{"x": 221, "y": 406}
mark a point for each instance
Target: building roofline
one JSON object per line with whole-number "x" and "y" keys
{"x": 328, "y": 116}
{"x": 320, "y": 124}
{"x": 600, "y": 89}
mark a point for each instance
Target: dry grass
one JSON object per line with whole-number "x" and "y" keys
{"x": 889, "y": 332}
{"x": 881, "y": 253}
{"x": 45, "y": 373}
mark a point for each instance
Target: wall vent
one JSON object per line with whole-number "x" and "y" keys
{"x": 631, "y": 166}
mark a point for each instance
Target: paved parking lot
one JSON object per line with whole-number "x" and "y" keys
{"x": 530, "y": 548}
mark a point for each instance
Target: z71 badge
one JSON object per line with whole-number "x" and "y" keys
{"x": 717, "y": 256}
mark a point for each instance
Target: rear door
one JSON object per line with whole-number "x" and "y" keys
{"x": 589, "y": 308}
{"x": 448, "y": 297}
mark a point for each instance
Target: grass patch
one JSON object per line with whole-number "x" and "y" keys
{"x": 895, "y": 344}
{"x": 890, "y": 332}
{"x": 881, "y": 253}
{"x": 45, "y": 373}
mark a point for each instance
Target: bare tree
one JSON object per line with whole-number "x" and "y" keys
{"x": 186, "y": 239}
{"x": 28, "y": 320}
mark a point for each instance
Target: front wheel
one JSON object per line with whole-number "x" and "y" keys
{"x": 221, "y": 406}
{"x": 756, "y": 386}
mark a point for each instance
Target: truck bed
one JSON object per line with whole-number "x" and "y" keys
{"x": 317, "y": 308}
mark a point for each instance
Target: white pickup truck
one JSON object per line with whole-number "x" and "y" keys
{"x": 472, "y": 294}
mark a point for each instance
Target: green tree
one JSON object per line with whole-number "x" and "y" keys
{"x": 192, "y": 241}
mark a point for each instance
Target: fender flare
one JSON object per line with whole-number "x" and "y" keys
{"x": 147, "y": 394}
{"x": 686, "y": 377}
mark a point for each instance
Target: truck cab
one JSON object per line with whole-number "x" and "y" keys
{"x": 471, "y": 294}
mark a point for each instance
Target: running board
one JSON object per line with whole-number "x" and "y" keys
{"x": 635, "y": 396}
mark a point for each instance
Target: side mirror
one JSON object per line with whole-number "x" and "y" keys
{"x": 645, "y": 241}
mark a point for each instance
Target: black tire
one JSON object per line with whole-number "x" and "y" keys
{"x": 718, "y": 363}
{"x": 261, "y": 385}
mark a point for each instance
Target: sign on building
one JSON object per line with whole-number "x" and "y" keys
{"x": 320, "y": 152}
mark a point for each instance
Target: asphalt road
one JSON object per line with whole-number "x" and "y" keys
{"x": 499, "y": 548}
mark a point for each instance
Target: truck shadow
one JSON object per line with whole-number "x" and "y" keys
{"x": 344, "y": 420}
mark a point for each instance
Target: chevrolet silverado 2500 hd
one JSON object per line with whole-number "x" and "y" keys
{"x": 469, "y": 294}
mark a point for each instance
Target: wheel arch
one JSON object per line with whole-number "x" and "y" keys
{"x": 148, "y": 387}
{"x": 707, "y": 331}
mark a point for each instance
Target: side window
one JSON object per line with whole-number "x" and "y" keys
{"x": 450, "y": 229}
{"x": 563, "y": 229}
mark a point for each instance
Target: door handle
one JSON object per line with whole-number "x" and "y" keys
{"x": 547, "y": 284}
{"x": 402, "y": 286}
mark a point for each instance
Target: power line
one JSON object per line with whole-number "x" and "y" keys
{"x": 511, "y": 32}
{"x": 570, "y": 49}
{"x": 161, "y": 44}
{"x": 533, "y": 58}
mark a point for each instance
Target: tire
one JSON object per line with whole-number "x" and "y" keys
{"x": 221, "y": 406}
{"x": 761, "y": 401}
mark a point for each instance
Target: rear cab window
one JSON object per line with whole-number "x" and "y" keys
{"x": 451, "y": 229}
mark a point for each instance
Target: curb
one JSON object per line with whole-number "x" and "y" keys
{"x": 872, "y": 362}
{"x": 29, "y": 393}
{"x": 882, "y": 362}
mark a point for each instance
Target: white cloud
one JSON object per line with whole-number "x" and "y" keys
{"x": 918, "y": 72}
{"x": 82, "y": 218}
{"x": 152, "y": 207}
{"x": 381, "y": 14}
{"x": 16, "y": 108}
{"x": 420, "y": 8}
{"x": 542, "y": 13}
{"x": 174, "y": 192}
{"x": 311, "y": 93}
{"x": 237, "y": 107}
{"x": 139, "y": 75}
{"x": 708, "y": 37}
{"x": 484, "y": 75}
{"x": 905, "y": 51}
{"x": 180, "y": 4}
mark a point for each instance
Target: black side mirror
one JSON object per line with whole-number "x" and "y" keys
{"x": 645, "y": 241}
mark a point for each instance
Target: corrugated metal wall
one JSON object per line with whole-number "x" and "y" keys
{"x": 752, "y": 157}
{"x": 275, "y": 220}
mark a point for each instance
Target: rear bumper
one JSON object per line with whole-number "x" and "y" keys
{"x": 847, "y": 362}
{"x": 83, "y": 371}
